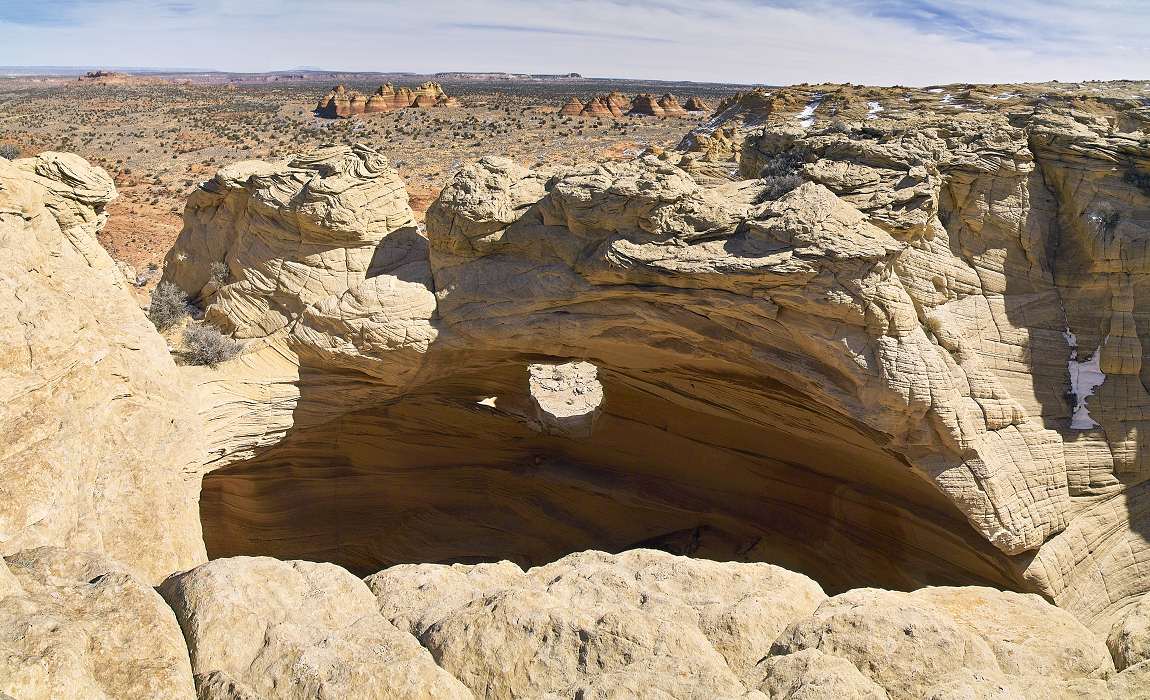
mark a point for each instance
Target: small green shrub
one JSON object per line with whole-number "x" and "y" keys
{"x": 9, "y": 151}
{"x": 168, "y": 307}
{"x": 204, "y": 345}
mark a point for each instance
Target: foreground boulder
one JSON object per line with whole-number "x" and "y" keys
{"x": 263, "y": 628}
{"x": 592, "y": 623}
{"x": 942, "y": 642}
{"x": 648, "y": 622}
{"x": 76, "y": 625}
{"x": 1129, "y": 640}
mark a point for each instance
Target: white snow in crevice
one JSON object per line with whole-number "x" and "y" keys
{"x": 807, "y": 116}
{"x": 948, "y": 99}
{"x": 1085, "y": 377}
{"x": 872, "y": 110}
{"x": 935, "y": 90}
{"x": 489, "y": 401}
{"x": 1005, "y": 96}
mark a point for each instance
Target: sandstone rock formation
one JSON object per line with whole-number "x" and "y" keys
{"x": 601, "y": 106}
{"x": 572, "y": 108}
{"x": 671, "y": 107}
{"x": 99, "y": 434}
{"x": 896, "y": 349}
{"x": 1129, "y": 640}
{"x": 429, "y": 89}
{"x": 117, "y": 78}
{"x": 646, "y": 105}
{"x": 696, "y": 104}
{"x": 594, "y": 622}
{"x": 342, "y": 102}
{"x": 944, "y": 642}
{"x": 887, "y": 380}
{"x": 567, "y": 397}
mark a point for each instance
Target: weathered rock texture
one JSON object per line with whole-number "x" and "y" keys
{"x": 75, "y": 625}
{"x": 263, "y": 628}
{"x": 646, "y": 622}
{"x": 100, "y": 444}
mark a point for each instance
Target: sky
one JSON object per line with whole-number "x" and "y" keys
{"x": 881, "y": 42}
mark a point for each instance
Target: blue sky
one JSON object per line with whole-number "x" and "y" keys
{"x": 911, "y": 42}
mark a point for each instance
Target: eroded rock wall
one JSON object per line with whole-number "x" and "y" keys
{"x": 100, "y": 445}
{"x": 900, "y": 344}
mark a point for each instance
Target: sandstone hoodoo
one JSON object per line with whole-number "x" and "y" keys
{"x": 598, "y": 107}
{"x": 646, "y": 105}
{"x": 617, "y": 100}
{"x": 429, "y": 89}
{"x": 812, "y": 405}
{"x": 671, "y": 106}
{"x": 695, "y": 104}
{"x": 342, "y": 102}
{"x": 572, "y": 108}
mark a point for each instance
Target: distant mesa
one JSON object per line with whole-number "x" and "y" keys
{"x": 102, "y": 77}
{"x": 342, "y": 102}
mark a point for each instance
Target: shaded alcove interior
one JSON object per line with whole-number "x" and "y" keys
{"x": 439, "y": 477}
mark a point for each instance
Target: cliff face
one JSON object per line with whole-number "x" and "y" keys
{"x": 100, "y": 446}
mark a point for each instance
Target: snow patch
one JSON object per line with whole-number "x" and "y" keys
{"x": 807, "y": 116}
{"x": 872, "y": 110}
{"x": 1085, "y": 377}
{"x": 489, "y": 401}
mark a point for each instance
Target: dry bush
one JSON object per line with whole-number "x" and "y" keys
{"x": 204, "y": 345}
{"x": 168, "y": 307}
{"x": 781, "y": 174}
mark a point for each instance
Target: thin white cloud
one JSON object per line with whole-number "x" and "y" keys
{"x": 749, "y": 41}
